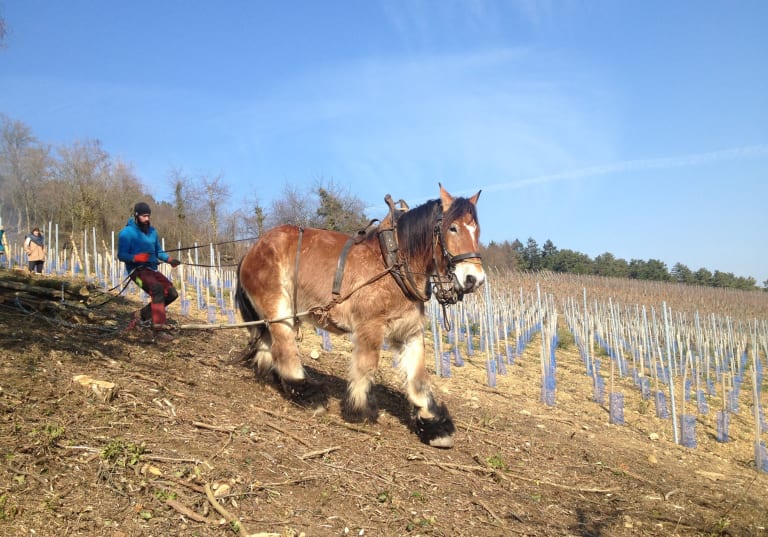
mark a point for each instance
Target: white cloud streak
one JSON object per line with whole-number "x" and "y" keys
{"x": 697, "y": 159}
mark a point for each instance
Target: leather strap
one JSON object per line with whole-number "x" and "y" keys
{"x": 340, "y": 266}
{"x": 296, "y": 278}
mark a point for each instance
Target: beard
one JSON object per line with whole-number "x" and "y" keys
{"x": 143, "y": 226}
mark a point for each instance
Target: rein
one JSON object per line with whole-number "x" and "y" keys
{"x": 210, "y": 244}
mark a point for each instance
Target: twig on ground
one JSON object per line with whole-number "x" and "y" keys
{"x": 158, "y": 458}
{"x": 319, "y": 453}
{"x": 187, "y": 512}
{"x": 286, "y": 433}
{"x": 26, "y": 474}
{"x": 188, "y": 484}
{"x": 229, "y": 517}
{"x": 221, "y": 428}
{"x": 221, "y": 450}
{"x": 490, "y": 511}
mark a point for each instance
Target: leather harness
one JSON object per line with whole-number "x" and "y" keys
{"x": 395, "y": 265}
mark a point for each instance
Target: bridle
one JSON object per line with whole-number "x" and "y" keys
{"x": 442, "y": 284}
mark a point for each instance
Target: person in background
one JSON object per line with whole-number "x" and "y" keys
{"x": 2, "y": 241}
{"x": 139, "y": 248}
{"x": 34, "y": 246}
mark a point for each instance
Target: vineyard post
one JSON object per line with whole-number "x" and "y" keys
{"x": 586, "y": 334}
{"x": 59, "y": 269}
{"x": 50, "y": 267}
{"x": 85, "y": 254}
{"x": 759, "y": 449}
{"x": 490, "y": 325}
{"x": 435, "y": 346}
{"x": 671, "y": 374}
{"x": 96, "y": 270}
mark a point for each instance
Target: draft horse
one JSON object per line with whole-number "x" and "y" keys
{"x": 374, "y": 287}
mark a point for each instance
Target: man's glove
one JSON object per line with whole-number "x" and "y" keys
{"x": 141, "y": 258}
{"x": 174, "y": 262}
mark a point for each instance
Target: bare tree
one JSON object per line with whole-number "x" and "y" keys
{"x": 294, "y": 207}
{"x": 24, "y": 165}
{"x": 252, "y": 217}
{"x": 215, "y": 193}
{"x": 125, "y": 190}
{"x": 85, "y": 169}
{"x": 185, "y": 199}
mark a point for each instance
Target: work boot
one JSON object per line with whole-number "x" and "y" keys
{"x": 136, "y": 322}
{"x": 161, "y": 336}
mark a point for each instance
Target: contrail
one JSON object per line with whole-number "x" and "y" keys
{"x": 633, "y": 165}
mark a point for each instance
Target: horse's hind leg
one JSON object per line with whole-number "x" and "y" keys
{"x": 284, "y": 356}
{"x": 261, "y": 342}
{"x": 358, "y": 404}
{"x": 431, "y": 421}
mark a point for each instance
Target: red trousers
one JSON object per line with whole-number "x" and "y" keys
{"x": 160, "y": 290}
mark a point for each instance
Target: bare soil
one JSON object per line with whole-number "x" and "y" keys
{"x": 190, "y": 444}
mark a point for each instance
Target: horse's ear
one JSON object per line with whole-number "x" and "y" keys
{"x": 445, "y": 198}
{"x": 473, "y": 199}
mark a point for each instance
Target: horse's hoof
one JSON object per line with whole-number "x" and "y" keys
{"x": 305, "y": 392}
{"x": 442, "y": 442}
{"x": 437, "y": 431}
{"x": 354, "y": 413}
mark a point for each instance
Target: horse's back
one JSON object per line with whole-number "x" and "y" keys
{"x": 270, "y": 265}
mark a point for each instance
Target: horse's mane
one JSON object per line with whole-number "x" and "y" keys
{"x": 415, "y": 228}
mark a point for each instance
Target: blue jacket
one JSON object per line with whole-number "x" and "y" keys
{"x": 132, "y": 241}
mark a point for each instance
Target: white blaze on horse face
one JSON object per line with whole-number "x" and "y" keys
{"x": 469, "y": 273}
{"x": 472, "y": 228}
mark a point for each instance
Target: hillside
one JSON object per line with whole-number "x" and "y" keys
{"x": 188, "y": 441}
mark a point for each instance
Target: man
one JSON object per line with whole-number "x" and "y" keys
{"x": 139, "y": 248}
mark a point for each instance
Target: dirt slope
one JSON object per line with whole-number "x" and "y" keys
{"x": 187, "y": 433}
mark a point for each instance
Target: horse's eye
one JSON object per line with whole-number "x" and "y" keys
{"x": 453, "y": 228}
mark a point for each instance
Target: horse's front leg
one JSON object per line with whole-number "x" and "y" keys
{"x": 431, "y": 421}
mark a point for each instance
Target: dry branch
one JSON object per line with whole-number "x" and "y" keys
{"x": 319, "y": 453}
{"x": 229, "y": 517}
{"x": 490, "y": 511}
{"x": 187, "y": 512}
{"x": 220, "y": 428}
{"x": 286, "y": 433}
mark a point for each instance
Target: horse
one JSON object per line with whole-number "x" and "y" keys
{"x": 372, "y": 286}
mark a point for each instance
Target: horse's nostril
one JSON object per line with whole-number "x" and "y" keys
{"x": 470, "y": 281}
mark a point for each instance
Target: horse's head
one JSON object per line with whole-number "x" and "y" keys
{"x": 458, "y": 237}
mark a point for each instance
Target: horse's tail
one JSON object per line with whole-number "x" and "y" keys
{"x": 249, "y": 314}
{"x": 247, "y": 310}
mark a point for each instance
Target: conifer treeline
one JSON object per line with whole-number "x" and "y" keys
{"x": 516, "y": 256}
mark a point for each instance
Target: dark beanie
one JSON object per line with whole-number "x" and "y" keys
{"x": 141, "y": 208}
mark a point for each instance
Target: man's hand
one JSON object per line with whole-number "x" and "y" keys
{"x": 141, "y": 258}
{"x": 174, "y": 262}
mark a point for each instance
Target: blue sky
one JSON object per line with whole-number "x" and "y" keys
{"x": 636, "y": 128}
